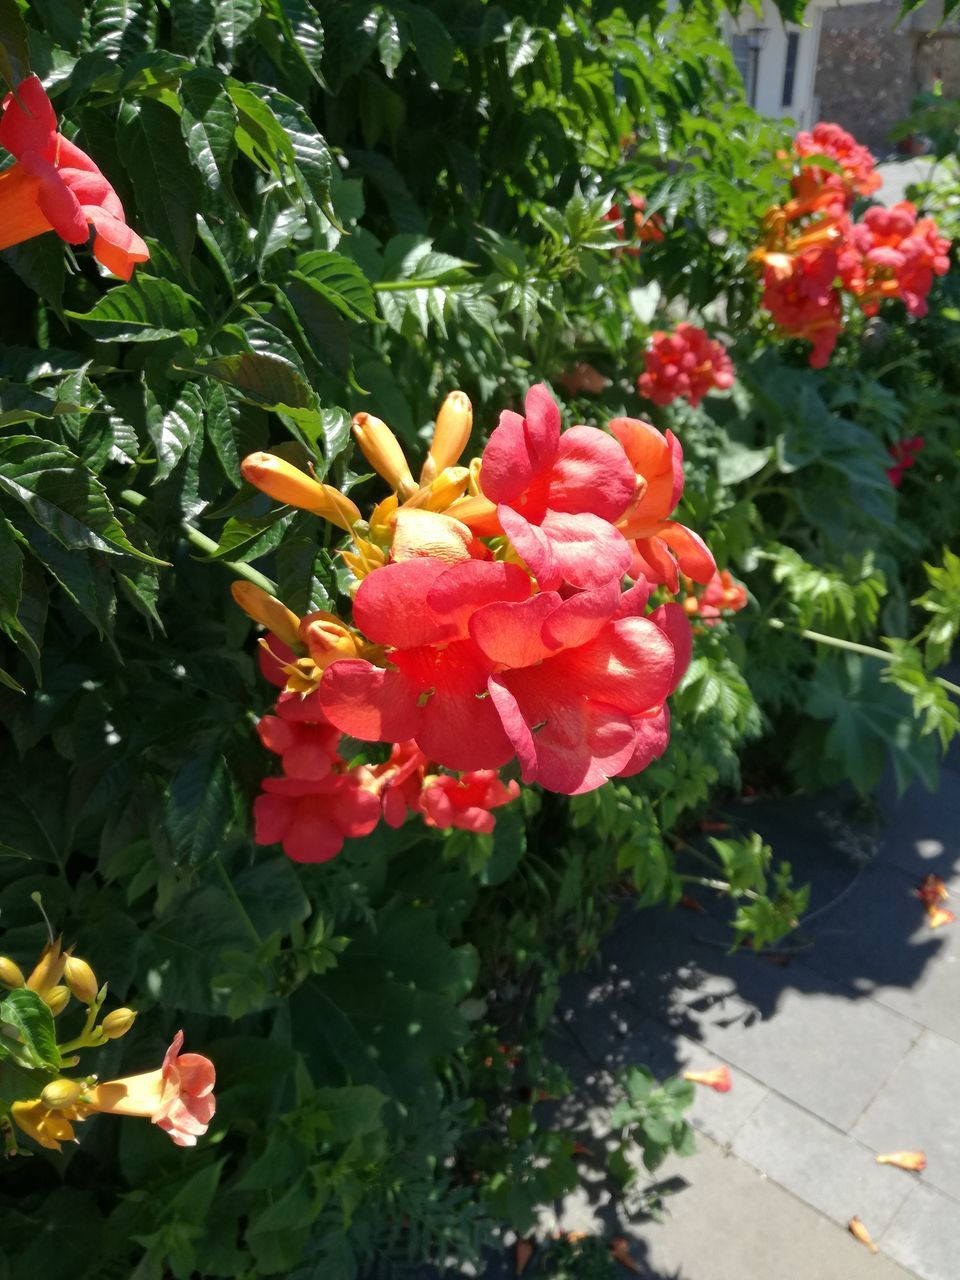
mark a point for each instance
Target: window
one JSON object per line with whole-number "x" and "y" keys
{"x": 741, "y": 56}
{"x": 790, "y": 68}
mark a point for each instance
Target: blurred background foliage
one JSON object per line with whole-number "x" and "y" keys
{"x": 354, "y": 206}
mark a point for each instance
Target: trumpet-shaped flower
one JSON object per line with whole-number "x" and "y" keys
{"x": 301, "y": 735}
{"x": 465, "y": 802}
{"x": 558, "y": 496}
{"x": 311, "y": 817}
{"x": 857, "y": 176}
{"x": 717, "y": 1078}
{"x": 54, "y": 186}
{"x": 178, "y": 1097}
{"x": 684, "y": 364}
{"x": 662, "y": 546}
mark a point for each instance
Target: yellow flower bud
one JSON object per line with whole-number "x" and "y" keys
{"x": 327, "y": 639}
{"x": 284, "y": 482}
{"x": 81, "y": 980}
{"x": 57, "y": 998}
{"x": 267, "y": 610}
{"x": 61, "y": 1093}
{"x": 118, "y": 1023}
{"x": 450, "y": 436}
{"x": 10, "y": 974}
{"x": 365, "y": 558}
{"x": 49, "y": 969}
{"x": 449, "y": 485}
{"x": 383, "y": 451}
{"x": 382, "y": 518}
{"x": 474, "y": 486}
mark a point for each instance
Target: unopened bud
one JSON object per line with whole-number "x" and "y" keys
{"x": 383, "y": 451}
{"x": 81, "y": 980}
{"x": 473, "y": 488}
{"x": 284, "y": 482}
{"x": 450, "y": 436}
{"x": 382, "y": 518}
{"x": 449, "y": 485}
{"x": 49, "y": 969}
{"x": 10, "y": 973}
{"x": 57, "y": 998}
{"x": 118, "y": 1023}
{"x": 327, "y": 639}
{"x": 365, "y": 558}
{"x": 267, "y": 610}
{"x": 61, "y": 1093}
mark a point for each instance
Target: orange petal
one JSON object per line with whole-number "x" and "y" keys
{"x": 718, "y": 1078}
{"x": 915, "y": 1161}
{"x": 522, "y": 1254}
{"x": 937, "y": 916}
{"x": 860, "y": 1232}
{"x": 620, "y": 1250}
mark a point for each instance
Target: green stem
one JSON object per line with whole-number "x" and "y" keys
{"x": 852, "y": 647}
{"x": 209, "y": 545}
{"x": 404, "y": 286}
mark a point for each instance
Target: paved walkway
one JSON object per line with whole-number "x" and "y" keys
{"x": 849, "y": 1048}
{"x": 900, "y": 174}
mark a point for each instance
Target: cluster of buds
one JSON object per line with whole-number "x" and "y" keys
{"x": 904, "y": 455}
{"x": 814, "y": 253}
{"x": 685, "y": 364}
{"x": 722, "y": 594}
{"x": 177, "y": 1097}
{"x": 644, "y": 230}
{"x": 500, "y": 611}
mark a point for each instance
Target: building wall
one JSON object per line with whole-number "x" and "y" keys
{"x": 771, "y": 63}
{"x": 870, "y": 69}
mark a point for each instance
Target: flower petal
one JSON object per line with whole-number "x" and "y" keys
{"x": 672, "y": 620}
{"x": 368, "y": 702}
{"x": 510, "y": 634}
{"x": 653, "y": 738}
{"x": 629, "y": 665}
{"x": 520, "y": 447}
{"x": 693, "y": 555}
{"x": 29, "y": 121}
{"x": 457, "y": 594}
{"x": 390, "y": 605}
{"x": 590, "y": 473}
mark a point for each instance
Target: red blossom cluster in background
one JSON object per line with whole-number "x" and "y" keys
{"x": 491, "y": 622}
{"x": 814, "y": 253}
{"x": 685, "y": 364}
{"x": 722, "y": 594}
{"x": 904, "y": 455}
{"x": 644, "y": 229}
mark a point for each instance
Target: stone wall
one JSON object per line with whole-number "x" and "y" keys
{"x": 869, "y": 69}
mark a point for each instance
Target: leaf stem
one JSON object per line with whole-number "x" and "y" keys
{"x": 852, "y": 647}
{"x": 209, "y": 545}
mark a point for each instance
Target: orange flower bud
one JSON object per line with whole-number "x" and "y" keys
{"x": 450, "y": 435}
{"x": 473, "y": 488}
{"x": 118, "y": 1023}
{"x": 913, "y": 1161}
{"x": 11, "y": 974}
{"x": 327, "y": 639}
{"x": 937, "y": 916}
{"x": 268, "y": 611}
{"x": 80, "y": 979}
{"x": 477, "y": 513}
{"x": 383, "y": 451}
{"x": 365, "y": 558}
{"x": 860, "y": 1232}
{"x": 447, "y": 487}
{"x": 49, "y": 969}
{"x": 57, "y": 998}
{"x": 284, "y": 482}
{"x": 61, "y": 1093}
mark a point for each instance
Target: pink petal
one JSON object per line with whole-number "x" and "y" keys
{"x": 510, "y": 634}
{"x": 390, "y": 606}
{"x": 368, "y": 702}
{"x": 311, "y": 835}
{"x": 672, "y": 619}
{"x": 581, "y": 617}
{"x": 29, "y": 122}
{"x": 532, "y": 545}
{"x": 520, "y": 447}
{"x": 515, "y": 725}
{"x": 587, "y": 551}
{"x": 463, "y": 731}
{"x": 633, "y": 602}
{"x": 652, "y": 560}
{"x": 590, "y": 473}
{"x": 57, "y": 202}
{"x": 629, "y": 665}
{"x": 271, "y": 817}
{"x": 653, "y": 737}
{"x": 464, "y": 588}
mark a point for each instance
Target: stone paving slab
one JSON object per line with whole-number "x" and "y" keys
{"x": 925, "y": 1235}
{"x": 917, "y": 1110}
{"x": 731, "y": 1223}
{"x": 828, "y": 1170}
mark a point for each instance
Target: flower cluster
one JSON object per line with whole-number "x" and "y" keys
{"x": 490, "y": 622}
{"x": 687, "y": 364}
{"x": 904, "y": 455}
{"x": 721, "y": 594}
{"x": 644, "y": 230}
{"x": 814, "y": 253}
{"x": 54, "y": 186}
{"x": 177, "y": 1096}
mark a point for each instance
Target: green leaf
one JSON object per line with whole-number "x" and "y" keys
{"x": 234, "y": 18}
{"x": 31, "y": 1019}
{"x": 273, "y": 896}
{"x": 200, "y": 807}
{"x": 262, "y": 378}
{"x": 193, "y": 22}
{"x": 209, "y": 123}
{"x": 39, "y": 264}
{"x": 260, "y": 135}
{"x": 165, "y": 182}
{"x": 350, "y": 1112}
{"x": 122, "y": 28}
{"x": 14, "y": 55}
{"x": 391, "y": 44}
{"x": 175, "y": 428}
{"x": 11, "y": 578}
{"x": 61, "y": 495}
{"x": 312, "y": 162}
{"x": 299, "y": 22}
{"x": 340, "y": 281}
{"x": 145, "y": 310}
{"x": 219, "y": 426}
{"x": 434, "y": 44}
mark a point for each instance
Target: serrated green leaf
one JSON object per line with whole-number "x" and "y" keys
{"x": 27, "y": 1015}
{"x": 312, "y": 162}
{"x": 234, "y": 18}
{"x": 193, "y": 22}
{"x": 209, "y": 123}
{"x": 165, "y": 182}
{"x": 40, "y": 265}
{"x": 262, "y": 378}
{"x": 174, "y": 428}
{"x": 433, "y": 42}
{"x": 340, "y": 281}
{"x": 145, "y": 310}
{"x": 11, "y": 578}
{"x": 14, "y": 52}
{"x": 218, "y": 422}
{"x": 200, "y": 807}
{"x": 62, "y": 495}
{"x": 122, "y": 28}
{"x": 301, "y": 26}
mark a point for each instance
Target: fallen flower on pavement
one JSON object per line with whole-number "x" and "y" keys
{"x": 860, "y": 1232}
{"x": 937, "y": 916}
{"x": 620, "y": 1252}
{"x": 718, "y": 1079}
{"x": 932, "y": 891}
{"x": 914, "y": 1161}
